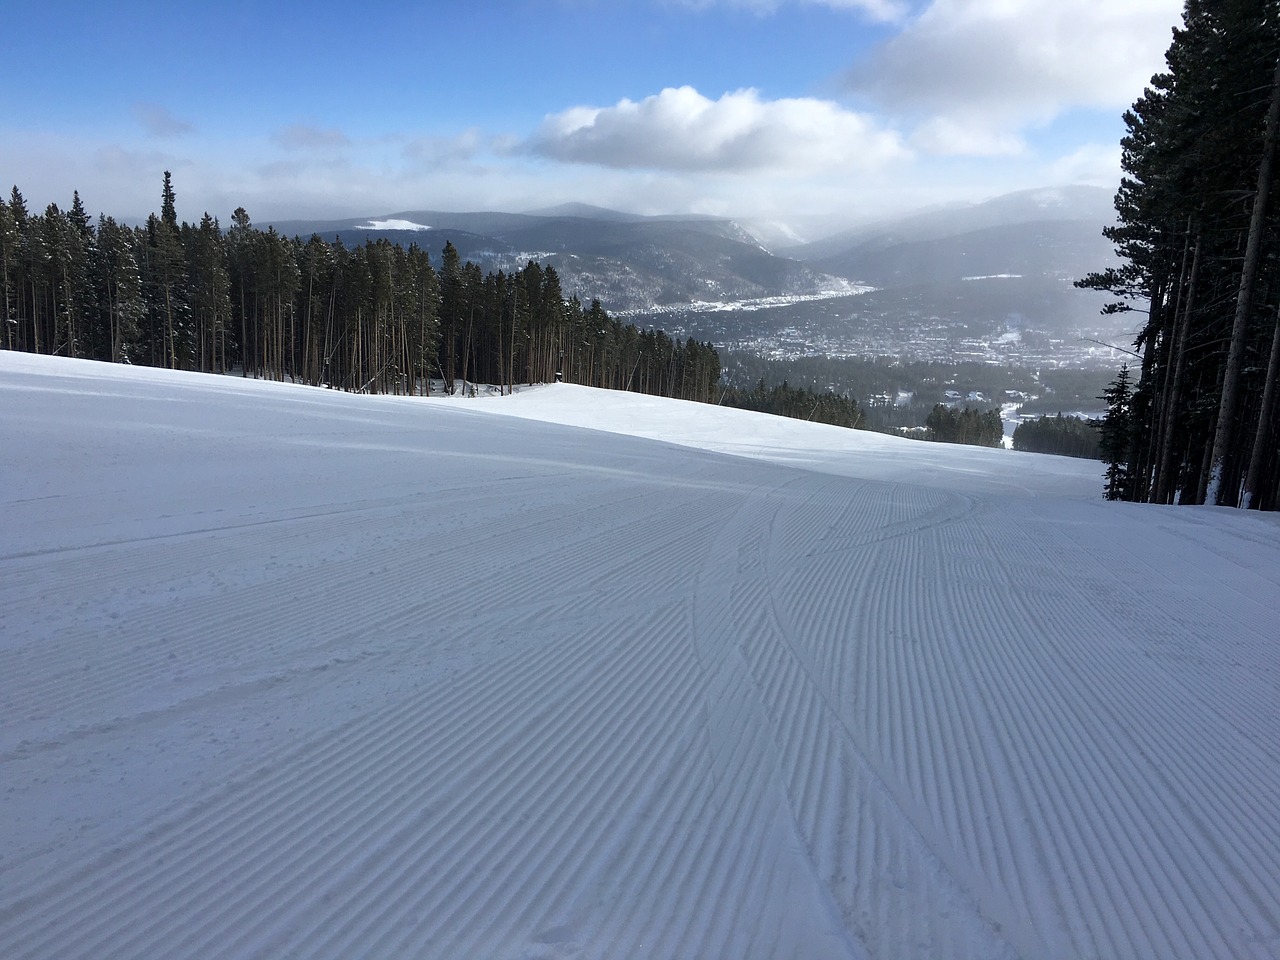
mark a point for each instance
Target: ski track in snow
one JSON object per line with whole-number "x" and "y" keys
{"x": 287, "y": 673}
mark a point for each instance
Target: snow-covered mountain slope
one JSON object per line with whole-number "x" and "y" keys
{"x": 293, "y": 673}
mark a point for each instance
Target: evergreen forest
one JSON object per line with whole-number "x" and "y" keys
{"x": 1064, "y": 436}
{"x": 980, "y": 428}
{"x": 799, "y": 403}
{"x": 1198, "y": 232}
{"x": 376, "y": 318}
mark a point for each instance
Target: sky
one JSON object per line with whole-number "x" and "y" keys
{"x": 800, "y": 113}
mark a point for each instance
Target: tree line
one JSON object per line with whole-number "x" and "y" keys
{"x": 799, "y": 403}
{"x": 977, "y": 428}
{"x": 1064, "y": 436}
{"x": 1198, "y": 233}
{"x": 375, "y": 318}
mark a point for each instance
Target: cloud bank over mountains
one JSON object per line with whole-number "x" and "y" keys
{"x": 893, "y": 104}
{"x": 960, "y": 80}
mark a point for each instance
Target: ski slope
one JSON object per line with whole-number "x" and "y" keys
{"x": 292, "y": 673}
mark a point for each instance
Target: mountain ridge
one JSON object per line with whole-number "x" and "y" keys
{"x": 653, "y": 267}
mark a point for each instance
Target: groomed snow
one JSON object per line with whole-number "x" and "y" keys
{"x": 286, "y": 672}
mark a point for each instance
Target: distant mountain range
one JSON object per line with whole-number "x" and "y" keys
{"x": 628, "y": 262}
{"x": 641, "y": 265}
{"x": 1035, "y": 232}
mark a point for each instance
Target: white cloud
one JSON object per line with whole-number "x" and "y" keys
{"x": 954, "y": 136}
{"x": 999, "y": 66}
{"x": 1093, "y": 163}
{"x": 881, "y": 10}
{"x": 681, "y": 130}
{"x": 300, "y": 136}
{"x": 431, "y": 151}
{"x": 159, "y": 121}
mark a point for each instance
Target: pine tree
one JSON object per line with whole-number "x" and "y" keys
{"x": 10, "y": 266}
{"x": 1221, "y": 489}
{"x": 452, "y": 310}
{"x": 168, "y": 202}
{"x": 21, "y": 263}
{"x": 1115, "y": 436}
{"x": 67, "y": 239}
{"x": 240, "y": 267}
{"x": 165, "y": 272}
{"x": 1197, "y": 236}
{"x": 210, "y": 292}
{"x": 117, "y": 285}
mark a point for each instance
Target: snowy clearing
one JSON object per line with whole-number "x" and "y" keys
{"x": 394, "y": 224}
{"x": 286, "y": 672}
{"x": 839, "y": 288}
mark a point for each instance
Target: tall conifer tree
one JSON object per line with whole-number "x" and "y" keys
{"x": 1199, "y": 239}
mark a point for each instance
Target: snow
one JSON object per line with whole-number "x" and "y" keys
{"x": 394, "y": 224}
{"x": 840, "y": 288}
{"x": 286, "y": 672}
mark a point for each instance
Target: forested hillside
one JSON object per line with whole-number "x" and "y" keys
{"x": 1199, "y": 235}
{"x": 1065, "y": 436}
{"x": 376, "y": 317}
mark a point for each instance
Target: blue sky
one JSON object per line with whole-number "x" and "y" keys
{"x": 801, "y": 112}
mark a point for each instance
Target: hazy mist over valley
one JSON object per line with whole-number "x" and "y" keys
{"x": 991, "y": 282}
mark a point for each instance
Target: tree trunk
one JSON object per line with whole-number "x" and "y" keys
{"x": 1261, "y": 441}
{"x": 1222, "y": 490}
{"x": 1164, "y": 483}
